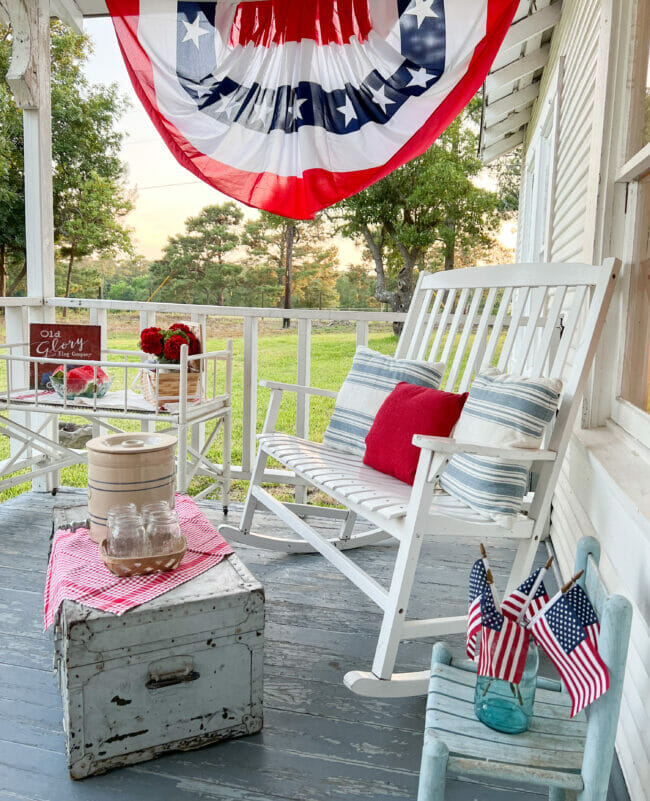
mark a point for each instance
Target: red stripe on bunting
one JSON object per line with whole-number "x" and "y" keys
{"x": 324, "y": 21}
{"x": 301, "y": 198}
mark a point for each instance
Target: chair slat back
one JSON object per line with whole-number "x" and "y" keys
{"x": 539, "y": 320}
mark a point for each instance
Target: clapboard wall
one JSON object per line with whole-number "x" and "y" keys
{"x": 603, "y": 487}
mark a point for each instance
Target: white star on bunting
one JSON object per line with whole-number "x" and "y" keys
{"x": 422, "y": 9}
{"x": 348, "y": 111}
{"x": 419, "y": 77}
{"x": 194, "y": 31}
{"x": 379, "y": 97}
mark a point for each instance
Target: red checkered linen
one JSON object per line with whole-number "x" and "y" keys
{"x": 76, "y": 571}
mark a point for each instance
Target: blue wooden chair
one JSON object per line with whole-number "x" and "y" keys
{"x": 563, "y": 753}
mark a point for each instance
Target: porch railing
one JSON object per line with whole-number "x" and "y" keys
{"x": 20, "y": 311}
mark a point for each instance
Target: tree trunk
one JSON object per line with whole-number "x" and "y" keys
{"x": 68, "y": 281}
{"x": 404, "y": 291}
{"x": 288, "y": 271}
{"x": 450, "y": 247}
{"x": 18, "y": 279}
{"x": 3, "y": 270}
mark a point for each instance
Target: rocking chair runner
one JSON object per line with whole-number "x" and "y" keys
{"x": 459, "y": 318}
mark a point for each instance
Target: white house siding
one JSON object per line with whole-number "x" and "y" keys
{"x": 603, "y": 489}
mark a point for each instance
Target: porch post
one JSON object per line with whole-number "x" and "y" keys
{"x": 29, "y": 79}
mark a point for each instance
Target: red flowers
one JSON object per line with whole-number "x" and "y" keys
{"x": 166, "y": 343}
{"x": 151, "y": 341}
{"x": 172, "y": 347}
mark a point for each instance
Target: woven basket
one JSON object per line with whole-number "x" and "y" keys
{"x": 168, "y": 387}
{"x": 142, "y": 565}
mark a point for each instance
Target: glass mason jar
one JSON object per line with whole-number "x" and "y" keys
{"x": 504, "y": 706}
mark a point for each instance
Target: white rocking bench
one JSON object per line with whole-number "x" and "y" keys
{"x": 543, "y": 317}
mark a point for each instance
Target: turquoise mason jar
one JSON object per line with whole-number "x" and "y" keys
{"x": 508, "y": 707}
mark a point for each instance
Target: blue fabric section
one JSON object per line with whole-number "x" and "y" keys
{"x": 373, "y": 376}
{"x": 487, "y": 485}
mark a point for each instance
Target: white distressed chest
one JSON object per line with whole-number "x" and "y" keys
{"x": 178, "y": 672}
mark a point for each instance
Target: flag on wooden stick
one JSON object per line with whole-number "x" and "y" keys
{"x": 558, "y": 630}
{"x": 528, "y": 598}
{"x": 504, "y": 644}
{"x": 478, "y": 584}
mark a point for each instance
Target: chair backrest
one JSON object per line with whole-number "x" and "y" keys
{"x": 615, "y": 615}
{"x": 544, "y": 317}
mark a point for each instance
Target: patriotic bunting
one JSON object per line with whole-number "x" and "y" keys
{"x": 291, "y": 106}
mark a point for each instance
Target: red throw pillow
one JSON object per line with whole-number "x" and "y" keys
{"x": 407, "y": 411}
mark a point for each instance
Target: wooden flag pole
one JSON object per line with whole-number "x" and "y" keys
{"x": 489, "y": 576}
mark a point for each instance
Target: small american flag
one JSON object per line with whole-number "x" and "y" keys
{"x": 558, "y": 630}
{"x": 514, "y": 603}
{"x": 585, "y": 612}
{"x": 504, "y": 644}
{"x": 478, "y": 584}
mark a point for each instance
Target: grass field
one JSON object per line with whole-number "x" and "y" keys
{"x": 331, "y": 356}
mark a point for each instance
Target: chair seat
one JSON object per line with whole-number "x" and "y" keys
{"x": 550, "y": 752}
{"x": 349, "y": 481}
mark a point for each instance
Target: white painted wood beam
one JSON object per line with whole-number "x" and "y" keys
{"x": 512, "y": 123}
{"x": 69, "y": 13}
{"x": 637, "y": 167}
{"x": 492, "y": 152}
{"x": 21, "y": 75}
{"x": 528, "y": 27}
{"x": 499, "y": 109}
{"x": 517, "y": 70}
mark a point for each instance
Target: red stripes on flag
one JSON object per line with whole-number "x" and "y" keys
{"x": 503, "y": 651}
{"x": 583, "y": 671}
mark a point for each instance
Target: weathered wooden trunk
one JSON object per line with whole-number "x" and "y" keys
{"x": 176, "y": 673}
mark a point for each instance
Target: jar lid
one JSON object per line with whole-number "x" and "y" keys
{"x": 138, "y": 442}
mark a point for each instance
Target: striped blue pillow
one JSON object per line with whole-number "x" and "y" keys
{"x": 372, "y": 377}
{"x": 503, "y": 411}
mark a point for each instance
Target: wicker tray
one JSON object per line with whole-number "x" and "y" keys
{"x": 142, "y": 565}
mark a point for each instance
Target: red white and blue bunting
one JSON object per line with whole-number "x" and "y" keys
{"x": 291, "y": 106}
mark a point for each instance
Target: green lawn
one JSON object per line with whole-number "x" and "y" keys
{"x": 331, "y": 356}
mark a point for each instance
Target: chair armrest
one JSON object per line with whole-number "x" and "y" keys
{"x": 449, "y": 445}
{"x": 327, "y": 393}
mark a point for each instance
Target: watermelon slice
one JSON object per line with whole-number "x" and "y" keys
{"x": 81, "y": 380}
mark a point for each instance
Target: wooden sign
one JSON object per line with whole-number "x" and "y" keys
{"x": 54, "y": 341}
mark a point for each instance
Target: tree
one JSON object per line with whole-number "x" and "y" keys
{"x": 288, "y": 261}
{"x": 195, "y": 262}
{"x": 89, "y": 196}
{"x": 356, "y": 288}
{"x": 430, "y": 201}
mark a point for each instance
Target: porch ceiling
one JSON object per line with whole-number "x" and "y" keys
{"x": 512, "y": 85}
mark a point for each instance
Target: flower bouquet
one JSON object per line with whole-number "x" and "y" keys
{"x": 81, "y": 382}
{"x": 164, "y": 344}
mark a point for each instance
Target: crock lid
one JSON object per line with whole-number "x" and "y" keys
{"x": 138, "y": 442}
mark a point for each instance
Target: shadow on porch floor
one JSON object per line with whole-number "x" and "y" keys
{"x": 319, "y": 740}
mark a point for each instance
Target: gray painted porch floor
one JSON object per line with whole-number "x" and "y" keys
{"x": 319, "y": 740}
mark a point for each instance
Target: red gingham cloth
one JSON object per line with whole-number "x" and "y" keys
{"x": 77, "y": 572}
